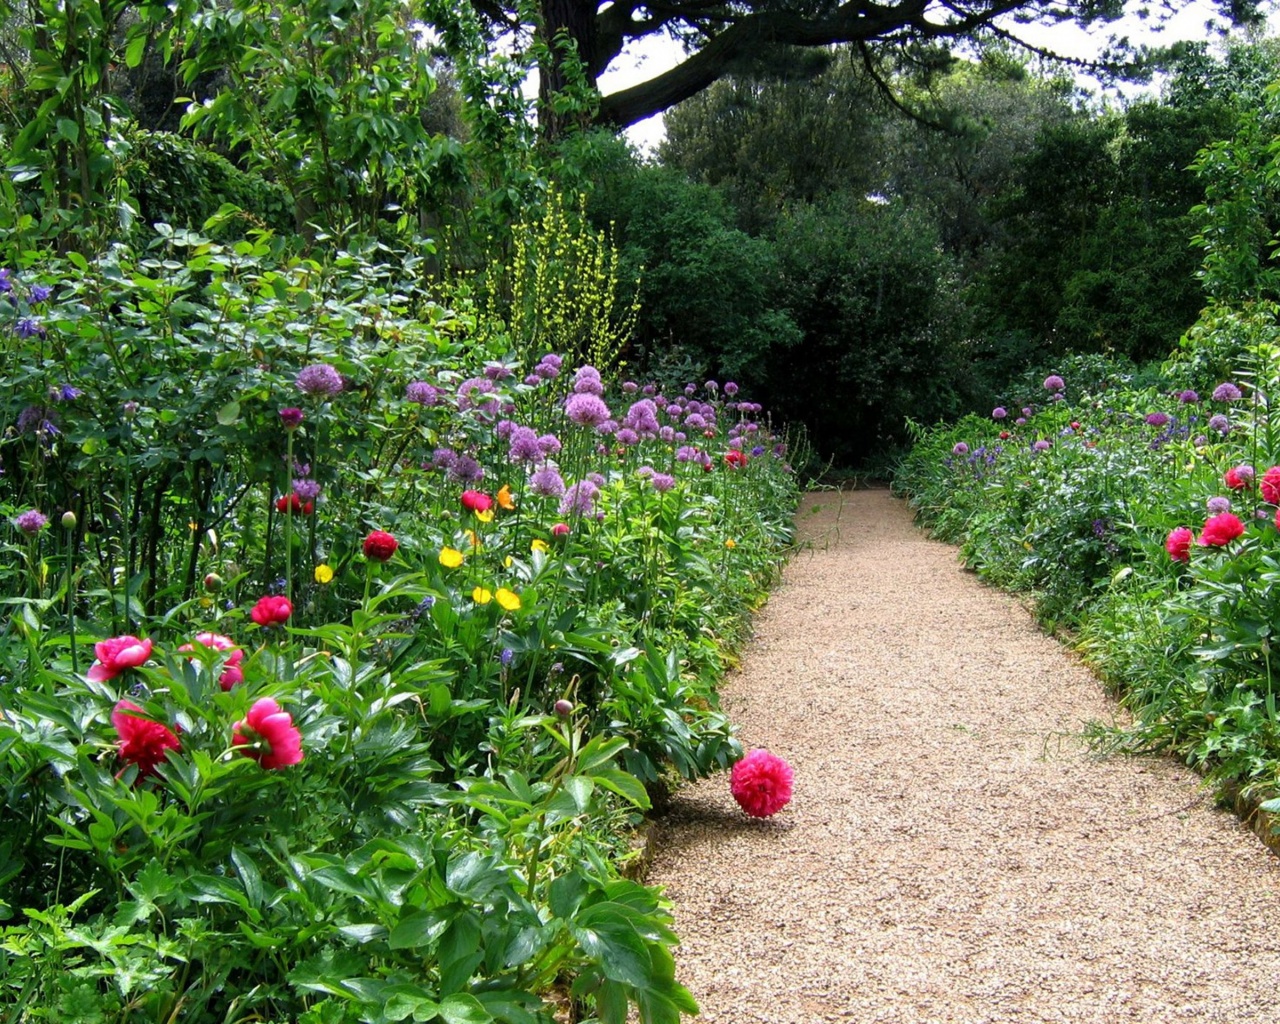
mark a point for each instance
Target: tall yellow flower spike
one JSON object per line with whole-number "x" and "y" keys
{"x": 504, "y": 498}
{"x": 450, "y": 558}
{"x": 508, "y": 599}
{"x": 481, "y": 596}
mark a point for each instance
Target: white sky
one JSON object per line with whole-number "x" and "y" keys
{"x": 658, "y": 53}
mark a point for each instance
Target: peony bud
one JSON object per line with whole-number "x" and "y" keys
{"x": 564, "y": 708}
{"x": 213, "y": 583}
{"x": 68, "y": 520}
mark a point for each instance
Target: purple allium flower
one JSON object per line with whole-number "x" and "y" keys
{"x": 627, "y": 436}
{"x": 550, "y": 445}
{"x": 497, "y": 371}
{"x": 689, "y": 389}
{"x": 306, "y": 490}
{"x": 532, "y": 379}
{"x": 1054, "y": 383}
{"x": 1027, "y": 411}
{"x": 30, "y": 327}
{"x": 596, "y": 478}
{"x": 548, "y": 482}
{"x": 524, "y": 445}
{"x": 319, "y": 379}
{"x": 630, "y": 387}
{"x": 642, "y": 417}
{"x": 663, "y": 482}
{"x": 1226, "y": 392}
{"x": 466, "y": 470}
{"x": 1020, "y": 421}
{"x": 291, "y": 417}
{"x": 586, "y": 409}
{"x": 680, "y": 435}
{"x": 644, "y": 472}
{"x": 695, "y": 421}
{"x": 579, "y": 499}
{"x": 1042, "y": 446}
{"x": 40, "y": 292}
{"x": 1157, "y": 419}
{"x": 999, "y": 412}
{"x": 587, "y": 381}
{"x": 1219, "y": 423}
{"x": 422, "y": 393}
{"x": 686, "y": 453}
{"x": 31, "y": 522}
{"x": 475, "y": 392}
{"x": 711, "y": 386}
{"x": 444, "y": 458}
{"x": 667, "y": 434}
{"x": 960, "y": 448}
{"x": 505, "y": 429}
{"x": 1200, "y": 441}
{"x": 1217, "y": 505}
{"x": 730, "y": 388}
{"x": 1188, "y": 397}
{"x": 607, "y": 427}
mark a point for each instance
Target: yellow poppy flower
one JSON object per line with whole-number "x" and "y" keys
{"x": 508, "y": 562}
{"x": 485, "y": 515}
{"x": 473, "y": 538}
{"x": 509, "y": 599}
{"x": 505, "y": 499}
{"x": 731, "y": 543}
{"x": 450, "y": 558}
{"x": 539, "y": 545}
{"x": 323, "y": 574}
{"x": 481, "y": 596}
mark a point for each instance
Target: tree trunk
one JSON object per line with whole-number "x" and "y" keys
{"x": 567, "y": 26}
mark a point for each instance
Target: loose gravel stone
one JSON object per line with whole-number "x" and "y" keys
{"x": 953, "y": 853}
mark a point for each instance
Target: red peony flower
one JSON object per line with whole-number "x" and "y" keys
{"x": 476, "y": 501}
{"x": 1238, "y": 477}
{"x": 735, "y": 459}
{"x": 142, "y": 741}
{"x": 293, "y": 504}
{"x": 271, "y": 611}
{"x": 560, "y": 530}
{"x": 1178, "y": 544}
{"x": 232, "y": 673}
{"x": 1271, "y": 485}
{"x": 116, "y": 655}
{"x": 1220, "y": 530}
{"x": 269, "y": 735}
{"x": 379, "y": 546}
{"x": 761, "y": 783}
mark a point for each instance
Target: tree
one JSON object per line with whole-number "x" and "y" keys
{"x": 581, "y": 38}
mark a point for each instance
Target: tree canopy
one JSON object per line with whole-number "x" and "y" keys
{"x": 720, "y": 37}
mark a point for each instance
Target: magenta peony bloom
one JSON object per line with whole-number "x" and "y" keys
{"x": 380, "y": 546}
{"x": 269, "y": 735}
{"x": 476, "y": 501}
{"x": 1178, "y": 544}
{"x": 1220, "y": 530}
{"x": 271, "y": 611}
{"x": 761, "y": 783}
{"x": 142, "y": 741}
{"x": 117, "y": 654}
{"x": 232, "y": 673}
{"x": 1271, "y": 485}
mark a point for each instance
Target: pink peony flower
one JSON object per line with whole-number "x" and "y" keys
{"x": 1220, "y": 530}
{"x": 271, "y": 611}
{"x": 1238, "y": 477}
{"x": 560, "y": 530}
{"x": 761, "y": 783}
{"x": 1271, "y": 485}
{"x": 476, "y": 501}
{"x": 379, "y": 546}
{"x": 232, "y": 673}
{"x": 269, "y": 735}
{"x": 116, "y": 655}
{"x": 1178, "y": 544}
{"x": 142, "y": 741}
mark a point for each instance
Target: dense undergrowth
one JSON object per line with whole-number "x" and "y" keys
{"x": 1145, "y": 517}
{"x": 346, "y": 638}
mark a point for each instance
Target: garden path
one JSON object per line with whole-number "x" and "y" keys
{"x": 952, "y": 853}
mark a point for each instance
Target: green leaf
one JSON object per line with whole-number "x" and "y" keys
{"x": 625, "y": 785}
{"x": 69, "y": 130}
{"x": 228, "y": 414}
{"x": 608, "y": 938}
{"x": 463, "y": 1008}
{"x": 421, "y": 930}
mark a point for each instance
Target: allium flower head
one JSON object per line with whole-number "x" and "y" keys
{"x": 1042, "y": 445}
{"x": 662, "y": 482}
{"x": 291, "y": 417}
{"x": 1226, "y": 392}
{"x": 547, "y": 482}
{"x": 579, "y": 499}
{"x": 1178, "y": 544}
{"x": 524, "y": 446}
{"x": 268, "y": 735}
{"x": 142, "y": 741}
{"x": 761, "y": 783}
{"x": 1220, "y": 530}
{"x": 1217, "y": 505}
{"x": 550, "y": 445}
{"x": 466, "y": 470}
{"x": 379, "y": 546}
{"x": 319, "y": 379}
{"x": 1157, "y": 419}
{"x": 586, "y": 410}
{"x": 422, "y": 393}
{"x": 587, "y": 381}
{"x": 960, "y": 448}
{"x": 999, "y": 412}
{"x": 1188, "y": 397}
{"x": 31, "y": 522}
{"x": 1054, "y": 383}
{"x": 730, "y": 388}
{"x": 1219, "y": 423}
{"x": 117, "y": 654}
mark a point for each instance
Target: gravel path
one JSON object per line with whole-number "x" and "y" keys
{"x": 952, "y": 853}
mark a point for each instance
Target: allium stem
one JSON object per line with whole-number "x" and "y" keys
{"x": 288, "y": 517}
